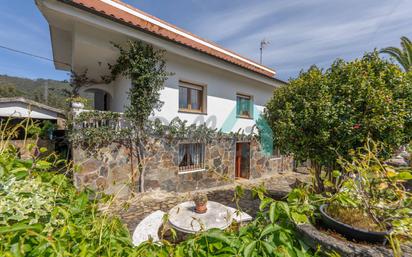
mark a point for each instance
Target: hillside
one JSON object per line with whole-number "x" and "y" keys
{"x": 35, "y": 90}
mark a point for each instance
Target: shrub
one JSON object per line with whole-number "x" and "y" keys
{"x": 322, "y": 115}
{"x": 376, "y": 191}
{"x": 42, "y": 214}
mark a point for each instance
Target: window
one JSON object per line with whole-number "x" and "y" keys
{"x": 191, "y": 98}
{"x": 191, "y": 156}
{"x": 244, "y": 106}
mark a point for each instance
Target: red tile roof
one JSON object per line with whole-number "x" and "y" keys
{"x": 119, "y": 11}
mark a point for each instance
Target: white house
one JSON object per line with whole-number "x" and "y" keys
{"x": 82, "y": 32}
{"x": 209, "y": 85}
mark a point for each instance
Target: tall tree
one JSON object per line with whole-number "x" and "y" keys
{"x": 403, "y": 55}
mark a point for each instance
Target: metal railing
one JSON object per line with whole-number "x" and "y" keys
{"x": 99, "y": 121}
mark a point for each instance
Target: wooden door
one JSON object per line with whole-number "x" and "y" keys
{"x": 242, "y": 165}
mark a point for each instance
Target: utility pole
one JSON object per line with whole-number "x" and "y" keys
{"x": 263, "y": 43}
{"x": 46, "y": 92}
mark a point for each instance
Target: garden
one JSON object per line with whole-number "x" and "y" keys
{"x": 349, "y": 121}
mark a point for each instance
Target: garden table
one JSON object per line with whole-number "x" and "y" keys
{"x": 183, "y": 217}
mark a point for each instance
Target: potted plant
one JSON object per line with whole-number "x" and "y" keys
{"x": 77, "y": 102}
{"x": 200, "y": 200}
{"x": 371, "y": 202}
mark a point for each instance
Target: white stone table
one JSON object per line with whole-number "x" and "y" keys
{"x": 183, "y": 217}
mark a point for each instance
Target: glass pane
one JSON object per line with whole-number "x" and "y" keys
{"x": 245, "y": 165}
{"x": 191, "y": 156}
{"x": 195, "y": 98}
{"x": 238, "y": 100}
{"x": 183, "y": 95}
{"x": 243, "y": 106}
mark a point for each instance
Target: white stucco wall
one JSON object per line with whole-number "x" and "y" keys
{"x": 92, "y": 50}
{"x": 221, "y": 87}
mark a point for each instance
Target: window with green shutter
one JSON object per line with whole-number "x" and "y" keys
{"x": 244, "y": 106}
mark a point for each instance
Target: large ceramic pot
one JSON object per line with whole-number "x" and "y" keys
{"x": 350, "y": 232}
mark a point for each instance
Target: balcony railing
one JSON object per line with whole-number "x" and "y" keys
{"x": 99, "y": 119}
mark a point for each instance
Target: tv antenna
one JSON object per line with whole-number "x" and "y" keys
{"x": 263, "y": 44}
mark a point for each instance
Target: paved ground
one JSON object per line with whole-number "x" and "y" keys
{"x": 133, "y": 210}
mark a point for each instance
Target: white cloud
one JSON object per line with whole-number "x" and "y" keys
{"x": 303, "y": 33}
{"x": 227, "y": 23}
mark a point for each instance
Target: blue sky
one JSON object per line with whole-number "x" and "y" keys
{"x": 301, "y": 32}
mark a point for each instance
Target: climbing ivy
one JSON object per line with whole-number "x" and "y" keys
{"x": 93, "y": 130}
{"x": 146, "y": 69}
{"x": 104, "y": 131}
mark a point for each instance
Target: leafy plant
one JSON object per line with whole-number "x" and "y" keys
{"x": 47, "y": 129}
{"x": 56, "y": 220}
{"x": 322, "y": 115}
{"x": 200, "y": 198}
{"x": 402, "y": 55}
{"x": 145, "y": 67}
{"x": 374, "y": 195}
{"x": 77, "y": 82}
{"x": 42, "y": 214}
{"x": 369, "y": 195}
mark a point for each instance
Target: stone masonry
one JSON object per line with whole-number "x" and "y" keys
{"x": 110, "y": 168}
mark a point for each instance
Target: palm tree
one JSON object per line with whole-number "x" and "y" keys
{"x": 402, "y": 55}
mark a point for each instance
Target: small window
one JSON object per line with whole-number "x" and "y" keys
{"x": 191, "y": 156}
{"x": 244, "y": 106}
{"x": 191, "y": 98}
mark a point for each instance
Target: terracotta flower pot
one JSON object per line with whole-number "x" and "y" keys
{"x": 201, "y": 208}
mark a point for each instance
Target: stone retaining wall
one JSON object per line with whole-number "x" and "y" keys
{"x": 109, "y": 169}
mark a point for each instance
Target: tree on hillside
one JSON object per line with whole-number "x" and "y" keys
{"x": 322, "y": 115}
{"x": 402, "y": 55}
{"x": 34, "y": 89}
{"x": 9, "y": 90}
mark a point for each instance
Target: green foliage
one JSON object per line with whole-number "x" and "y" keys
{"x": 200, "y": 198}
{"x": 322, "y": 115}
{"x": 77, "y": 82}
{"x": 368, "y": 194}
{"x": 402, "y": 55}
{"x": 47, "y": 128}
{"x": 34, "y": 90}
{"x": 93, "y": 130}
{"x": 145, "y": 67}
{"x": 103, "y": 129}
{"x": 9, "y": 90}
{"x": 270, "y": 234}
{"x": 376, "y": 191}
{"x": 42, "y": 214}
